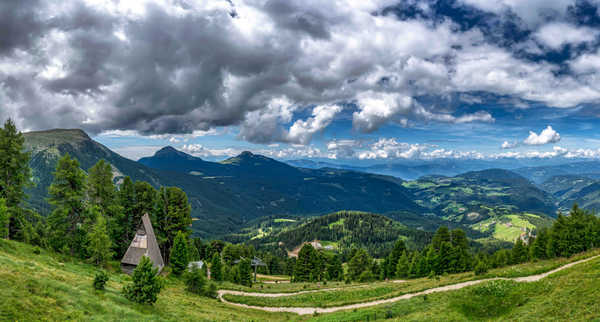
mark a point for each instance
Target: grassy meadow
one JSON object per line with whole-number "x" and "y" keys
{"x": 41, "y": 285}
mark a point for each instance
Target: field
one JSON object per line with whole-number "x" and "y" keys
{"x": 38, "y": 285}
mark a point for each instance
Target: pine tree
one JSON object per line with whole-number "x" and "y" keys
{"x": 4, "y": 219}
{"x": 14, "y": 174}
{"x": 519, "y": 252}
{"x": 67, "y": 196}
{"x": 440, "y": 236}
{"x": 540, "y": 244}
{"x": 101, "y": 193}
{"x": 358, "y": 264}
{"x": 146, "y": 284}
{"x": 335, "y": 269}
{"x": 304, "y": 264}
{"x": 216, "y": 268}
{"x": 126, "y": 199}
{"x": 99, "y": 243}
{"x": 245, "y": 271}
{"x": 195, "y": 280}
{"x": 100, "y": 188}
{"x": 172, "y": 215}
{"x": 179, "y": 254}
{"x": 403, "y": 266}
{"x": 399, "y": 248}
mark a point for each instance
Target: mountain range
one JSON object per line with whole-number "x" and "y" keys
{"x": 227, "y": 195}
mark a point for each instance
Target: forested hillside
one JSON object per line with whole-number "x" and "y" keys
{"x": 345, "y": 230}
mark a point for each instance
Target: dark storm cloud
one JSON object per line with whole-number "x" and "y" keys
{"x": 20, "y": 24}
{"x": 180, "y": 66}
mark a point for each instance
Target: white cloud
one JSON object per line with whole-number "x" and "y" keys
{"x": 548, "y": 135}
{"x": 557, "y": 34}
{"x": 322, "y": 115}
{"x": 341, "y": 149}
{"x": 203, "y": 152}
{"x": 509, "y": 145}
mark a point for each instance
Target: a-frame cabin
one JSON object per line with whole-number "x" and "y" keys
{"x": 143, "y": 244}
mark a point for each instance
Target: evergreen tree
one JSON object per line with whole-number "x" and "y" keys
{"x": 394, "y": 256}
{"x": 67, "y": 196}
{"x": 145, "y": 285}
{"x": 443, "y": 258}
{"x": 101, "y": 193}
{"x": 460, "y": 257}
{"x": 480, "y": 268}
{"x": 441, "y": 235}
{"x": 335, "y": 269}
{"x": 179, "y": 254}
{"x": 519, "y": 252}
{"x": 195, "y": 281}
{"x": 14, "y": 174}
{"x": 193, "y": 251}
{"x": 99, "y": 243}
{"x": 100, "y": 188}
{"x": 403, "y": 266}
{"x": 216, "y": 268}
{"x": 430, "y": 261}
{"x": 4, "y": 219}
{"x": 290, "y": 263}
{"x": 146, "y": 202}
{"x": 375, "y": 269}
{"x": 540, "y": 245}
{"x": 245, "y": 271}
{"x": 358, "y": 264}
{"x": 173, "y": 215}
{"x": 305, "y": 264}
{"x": 127, "y": 221}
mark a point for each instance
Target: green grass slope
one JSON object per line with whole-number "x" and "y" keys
{"x": 569, "y": 295}
{"x": 47, "y": 286}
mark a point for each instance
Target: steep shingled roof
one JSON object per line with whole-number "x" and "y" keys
{"x": 144, "y": 244}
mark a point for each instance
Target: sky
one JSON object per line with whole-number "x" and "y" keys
{"x": 347, "y": 81}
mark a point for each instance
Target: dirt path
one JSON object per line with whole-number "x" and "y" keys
{"x": 311, "y": 310}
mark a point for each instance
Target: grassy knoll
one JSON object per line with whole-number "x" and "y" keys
{"x": 569, "y": 295}
{"x": 381, "y": 290}
{"x": 47, "y": 286}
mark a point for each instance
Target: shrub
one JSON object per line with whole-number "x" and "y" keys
{"x": 489, "y": 300}
{"x": 481, "y": 268}
{"x": 100, "y": 280}
{"x": 195, "y": 281}
{"x": 211, "y": 290}
{"x": 37, "y": 250}
{"x": 366, "y": 276}
{"x": 146, "y": 284}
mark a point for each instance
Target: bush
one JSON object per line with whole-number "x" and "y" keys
{"x": 366, "y": 276}
{"x": 100, "y": 280}
{"x": 146, "y": 284}
{"x": 211, "y": 290}
{"x": 37, "y": 250}
{"x": 195, "y": 281}
{"x": 489, "y": 300}
{"x": 481, "y": 268}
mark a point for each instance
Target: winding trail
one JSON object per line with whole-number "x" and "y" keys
{"x": 311, "y": 310}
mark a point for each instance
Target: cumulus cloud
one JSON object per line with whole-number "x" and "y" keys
{"x": 557, "y": 34}
{"x": 178, "y": 67}
{"x": 509, "y": 145}
{"x": 548, "y": 135}
{"x": 322, "y": 115}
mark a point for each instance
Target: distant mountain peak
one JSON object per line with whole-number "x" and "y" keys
{"x": 246, "y": 154}
{"x": 171, "y": 152}
{"x": 65, "y": 133}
